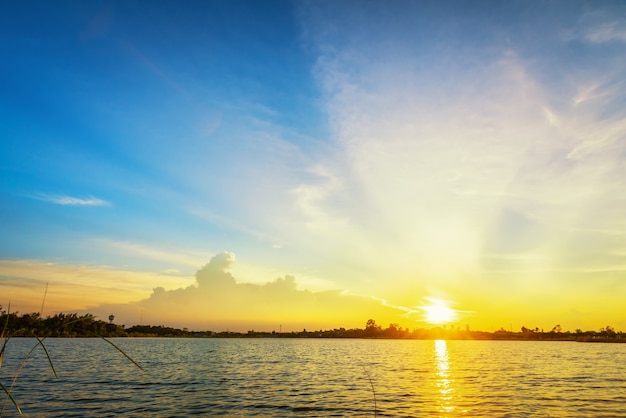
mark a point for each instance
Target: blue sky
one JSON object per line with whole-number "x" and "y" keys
{"x": 146, "y": 110}
{"x": 396, "y": 152}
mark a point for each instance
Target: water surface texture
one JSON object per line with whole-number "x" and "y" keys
{"x": 319, "y": 377}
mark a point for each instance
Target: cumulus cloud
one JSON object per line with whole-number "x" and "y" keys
{"x": 217, "y": 301}
{"x": 215, "y": 272}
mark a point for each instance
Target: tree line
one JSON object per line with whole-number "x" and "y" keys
{"x": 74, "y": 325}
{"x": 59, "y": 325}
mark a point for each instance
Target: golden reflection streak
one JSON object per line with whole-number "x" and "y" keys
{"x": 443, "y": 377}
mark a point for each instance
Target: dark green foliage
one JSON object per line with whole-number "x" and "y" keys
{"x": 156, "y": 331}
{"x": 59, "y": 325}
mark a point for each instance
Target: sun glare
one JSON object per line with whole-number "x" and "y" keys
{"x": 438, "y": 312}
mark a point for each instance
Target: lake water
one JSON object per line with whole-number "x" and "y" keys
{"x": 319, "y": 377}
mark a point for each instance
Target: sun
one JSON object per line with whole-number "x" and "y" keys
{"x": 438, "y": 312}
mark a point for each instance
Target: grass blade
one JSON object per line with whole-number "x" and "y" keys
{"x": 10, "y": 398}
{"x": 19, "y": 370}
{"x": 6, "y": 323}
{"x": 4, "y": 340}
{"x": 373, "y": 391}
{"x": 17, "y": 374}
{"x": 122, "y": 351}
{"x": 40, "y": 342}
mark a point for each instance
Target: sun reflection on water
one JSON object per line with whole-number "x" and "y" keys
{"x": 443, "y": 379}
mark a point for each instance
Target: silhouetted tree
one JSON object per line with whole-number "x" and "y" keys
{"x": 371, "y": 329}
{"x": 557, "y": 329}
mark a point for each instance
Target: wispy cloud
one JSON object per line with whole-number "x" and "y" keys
{"x": 228, "y": 222}
{"x": 152, "y": 253}
{"x": 75, "y": 286}
{"x": 437, "y": 149}
{"x": 606, "y": 32}
{"x": 61, "y": 199}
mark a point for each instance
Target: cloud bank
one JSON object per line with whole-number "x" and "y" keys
{"x": 216, "y": 301}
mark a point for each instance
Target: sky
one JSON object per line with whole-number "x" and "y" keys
{"x": 278, "y": 165}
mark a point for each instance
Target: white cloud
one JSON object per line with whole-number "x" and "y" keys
{"x": 70, "y": 200}
{"x": 607, "y": 31}
{"x": 434, "y": 145}
{"x": 218, "y": 301}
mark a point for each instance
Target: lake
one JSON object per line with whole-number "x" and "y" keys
{"x": 318, "y": 377}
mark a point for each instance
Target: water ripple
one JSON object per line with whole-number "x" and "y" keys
{"x": 283, "y": 377}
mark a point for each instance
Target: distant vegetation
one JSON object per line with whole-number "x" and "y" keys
{"x": 74, "y": 325}
{"x": 60, "y": 325}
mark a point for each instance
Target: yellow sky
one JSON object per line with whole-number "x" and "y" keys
{"x": 361, "y": 162}
{"x": 215, "y": 300}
